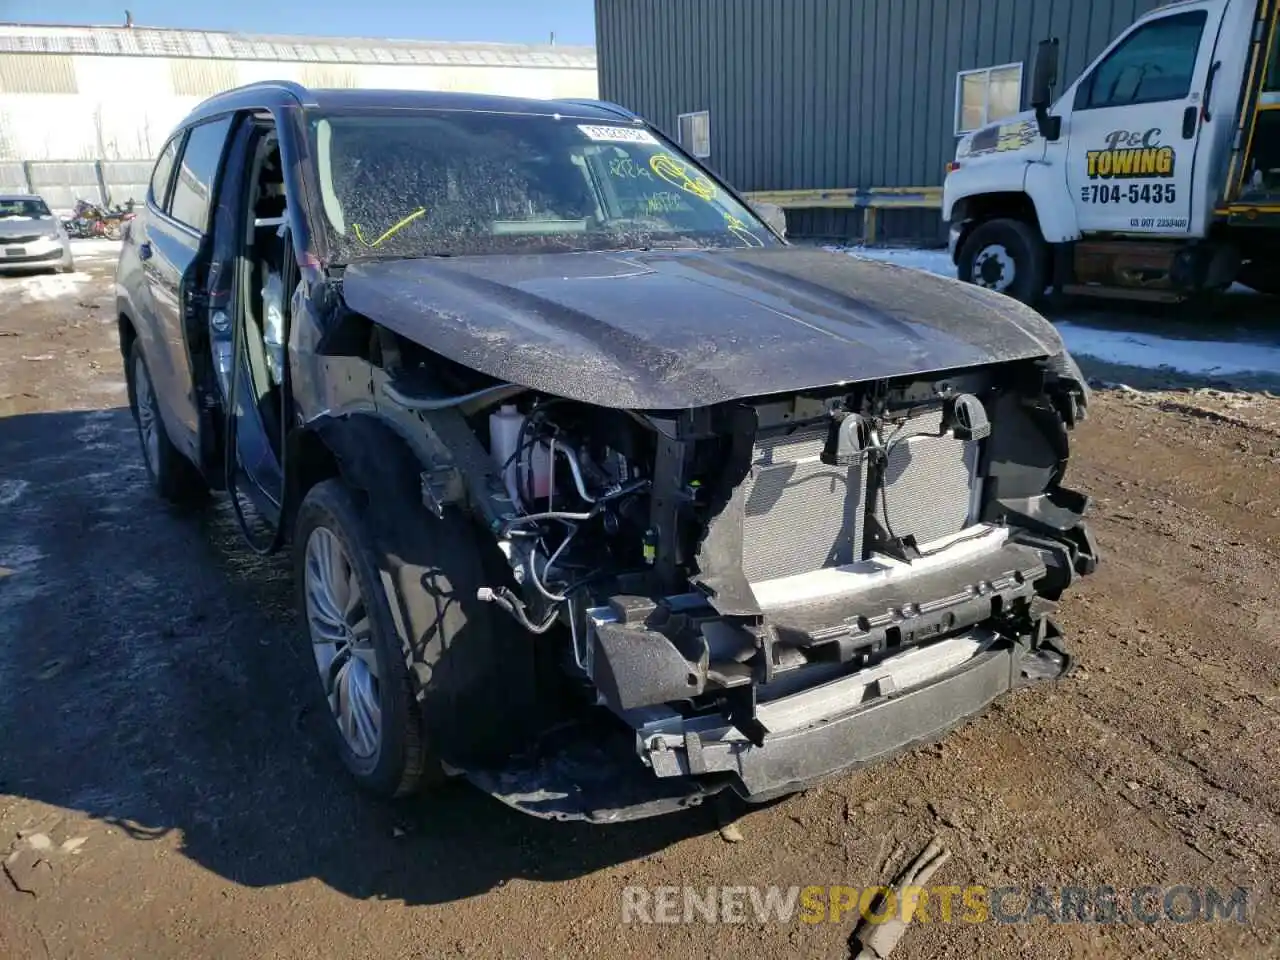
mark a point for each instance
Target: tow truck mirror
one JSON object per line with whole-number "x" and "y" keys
{"x": 1044, "y": 77}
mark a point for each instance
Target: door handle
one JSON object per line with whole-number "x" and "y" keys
{"x": 1208, "y": 90}
{"x": 1190, "y": 117}
{"x": 144, "y": 250}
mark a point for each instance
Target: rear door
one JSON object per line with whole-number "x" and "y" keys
{"x": 174, "y": 239}
{"x": 146, "y": 290}
{"x": 1136, "y": 120}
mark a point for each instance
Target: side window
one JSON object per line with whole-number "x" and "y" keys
{"x": 1154, "y": 63}
{"x": 197, "y": 172}
{"x": 1271, "y": 83}
{"x": 986, "y": 95}
{"x": 163, "y": 170}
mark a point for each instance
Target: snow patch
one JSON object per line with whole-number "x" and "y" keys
{"x": 1132, "y": 348}
{"x": 930, "y": 261}
{"x": 96, "y": 248}
{"x": 43, "y": 288}
{"x": 1152, "y": 352}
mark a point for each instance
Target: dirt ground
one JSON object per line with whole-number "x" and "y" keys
{"x": 162, "y": 793}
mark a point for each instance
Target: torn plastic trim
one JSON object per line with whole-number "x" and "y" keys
{"x": 647, "y": 653}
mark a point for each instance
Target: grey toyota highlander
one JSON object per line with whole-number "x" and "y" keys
{"x": 599, "y": 493}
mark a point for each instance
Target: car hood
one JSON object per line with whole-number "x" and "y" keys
{"x": 678, "y": 329}
{"x": 27, "y": 227}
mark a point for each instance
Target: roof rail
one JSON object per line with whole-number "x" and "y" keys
{"x": 295, "y": 90}
{"x": 605, "y": 105}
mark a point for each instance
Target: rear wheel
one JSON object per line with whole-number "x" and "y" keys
{"x": 1008, "y": 256}
{"x": 174, "y": 476}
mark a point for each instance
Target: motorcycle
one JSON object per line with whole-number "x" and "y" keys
{"x": 91, "y": 220}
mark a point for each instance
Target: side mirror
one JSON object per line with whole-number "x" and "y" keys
{"x": 1044, "y": 77}
{"x": 773, "y": 215}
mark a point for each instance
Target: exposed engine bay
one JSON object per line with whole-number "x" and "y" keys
{"x": 723, "y": 579}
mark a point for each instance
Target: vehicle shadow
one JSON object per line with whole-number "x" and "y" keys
{"x": 157, "y": 677}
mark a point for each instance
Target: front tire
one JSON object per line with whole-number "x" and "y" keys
{"x": 1008, "y": 256}
{"x": 459, "y": 686}
{"x": 174, "y": 477}
{"x": 377, "y": 725}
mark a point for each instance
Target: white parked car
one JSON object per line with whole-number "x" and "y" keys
{"x": 31, "y": 236}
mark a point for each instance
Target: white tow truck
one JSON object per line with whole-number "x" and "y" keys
{"x": 1154, "y": 176}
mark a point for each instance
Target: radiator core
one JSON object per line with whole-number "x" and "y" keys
{"x": 802, "y": 514}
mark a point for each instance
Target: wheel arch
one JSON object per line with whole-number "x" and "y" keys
{"x": 969, "y": 212}
{"x": 478, "y": 687}
{"x": 370, "y": 455}
{"x": 127, "y": 333}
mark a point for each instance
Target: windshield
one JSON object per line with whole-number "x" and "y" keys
{"x": 426, "y": 183}
{"x": 23, "y": 208}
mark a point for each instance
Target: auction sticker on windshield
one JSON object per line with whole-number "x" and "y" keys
{"x": 617, "y": 134}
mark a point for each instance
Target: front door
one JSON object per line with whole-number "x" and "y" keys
{"x": 1135, "y": 123}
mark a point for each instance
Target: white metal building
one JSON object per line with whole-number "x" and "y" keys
{"x": 107, "y": 97}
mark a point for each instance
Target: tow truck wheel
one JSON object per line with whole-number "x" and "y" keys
{"x": 1007, "y": 256}
{"x": 174, "y": 477}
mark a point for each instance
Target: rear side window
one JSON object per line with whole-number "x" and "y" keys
{"x": 160, "y": 175}
{"x": 197, "y": 173}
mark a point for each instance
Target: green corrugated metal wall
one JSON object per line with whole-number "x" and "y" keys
{"x": 832, "y": 93}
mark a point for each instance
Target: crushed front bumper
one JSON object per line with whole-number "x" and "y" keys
{"x": 591, "y": 772}
{"x": 909, "y": 699}
{"x": 865, "y": 663}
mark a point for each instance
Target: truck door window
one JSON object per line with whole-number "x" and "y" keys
{"x": 1155, "y": 63}
{"x": 1271, "y": 83}
{"x": 197, "y": 172}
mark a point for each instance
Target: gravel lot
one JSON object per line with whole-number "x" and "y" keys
{"x": 161, "y": 794}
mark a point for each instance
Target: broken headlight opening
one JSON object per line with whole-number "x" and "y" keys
{"x": 728, "y": 579}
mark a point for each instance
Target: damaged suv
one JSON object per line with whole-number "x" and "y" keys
{"x": 600, "y": 493}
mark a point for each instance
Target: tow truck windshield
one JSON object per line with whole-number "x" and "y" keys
{"x": 443, "y": 183}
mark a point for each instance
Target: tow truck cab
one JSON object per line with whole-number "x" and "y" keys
{"x": 1154, "y": 175}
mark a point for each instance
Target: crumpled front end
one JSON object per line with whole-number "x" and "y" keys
{"x": 823, "y": 580}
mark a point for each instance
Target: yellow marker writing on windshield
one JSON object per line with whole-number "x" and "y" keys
{"x": 740, "y": 230}
{"x": 396, "y": 228}
{"x": 678, "y": 174}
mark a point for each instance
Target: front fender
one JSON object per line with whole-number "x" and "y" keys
{"x": 1046, "y": 185}
{"x": 370, "y": 454}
